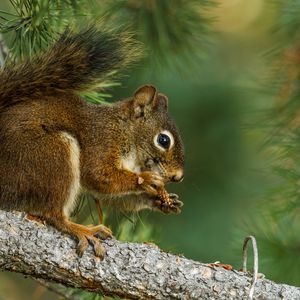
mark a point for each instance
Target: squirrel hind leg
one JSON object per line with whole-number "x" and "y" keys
{"x": 83, "y": 234}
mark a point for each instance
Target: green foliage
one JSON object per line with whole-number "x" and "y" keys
{"x": 287, "y": 19}
{"x": 34, "y": 24}
{"x": 276, "y": 222}
{"x": 173, "y": 31}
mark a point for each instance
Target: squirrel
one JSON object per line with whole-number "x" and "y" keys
{"x": 55, "y": 146}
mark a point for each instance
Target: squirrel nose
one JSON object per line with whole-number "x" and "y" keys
{"x": 177, "y": 177}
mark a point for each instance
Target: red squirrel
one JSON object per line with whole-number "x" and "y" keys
{"x": 55, "y": 146}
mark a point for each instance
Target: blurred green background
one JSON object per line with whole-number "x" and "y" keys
{"x": 222, "y": 93}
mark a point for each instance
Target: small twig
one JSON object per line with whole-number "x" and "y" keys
{"x": 99, "y": 210}
{"x": 53, "y": 289}
{"x": 255, "y": 265}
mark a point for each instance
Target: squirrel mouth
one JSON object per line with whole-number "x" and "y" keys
{"x": 154, "y": 165}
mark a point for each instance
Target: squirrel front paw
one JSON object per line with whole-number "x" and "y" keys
{"x": 150, "y": 182}
{"x": 167, "y": 204}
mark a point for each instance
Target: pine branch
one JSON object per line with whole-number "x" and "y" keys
{"x": 174, "y": 32}
{"x": 134, "y": 271}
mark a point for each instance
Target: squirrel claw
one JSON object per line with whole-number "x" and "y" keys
{"x": 82, "y": 246}
{"x": 97, "y": 247}
{"x": 173, "y": 206}
{"x": 175, "y": 200}
{"x": 102, "y": 232}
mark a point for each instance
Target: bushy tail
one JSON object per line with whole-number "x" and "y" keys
{"x": 76, "y": 63}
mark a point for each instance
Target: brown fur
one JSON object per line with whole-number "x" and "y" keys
{"x": 39, "y": 136}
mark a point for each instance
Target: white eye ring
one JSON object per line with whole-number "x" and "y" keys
{"x": 169, "y": 135}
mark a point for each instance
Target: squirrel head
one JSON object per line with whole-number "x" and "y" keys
{"x": 158, "y": 145}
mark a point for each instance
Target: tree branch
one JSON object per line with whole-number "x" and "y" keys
{"x": 130, "y": 270}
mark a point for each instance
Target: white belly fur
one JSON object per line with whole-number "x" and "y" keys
{"x": 75, "y": 166}
{"x": 130, "y": 163}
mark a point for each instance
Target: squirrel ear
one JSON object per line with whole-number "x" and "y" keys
{"x": 162, "y": 102}
{"x": 143, "y": 100}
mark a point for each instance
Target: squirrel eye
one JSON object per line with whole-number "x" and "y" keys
{"x": 164, "y": 140}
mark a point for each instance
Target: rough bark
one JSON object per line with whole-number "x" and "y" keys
{"x": 134, "y": 271}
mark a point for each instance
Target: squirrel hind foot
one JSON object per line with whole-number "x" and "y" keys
{"x": 83, "y": 234}
{"x": 102, "y": 232}
{"x": 86, "y": 237}
{"x": 85, "y": 240}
